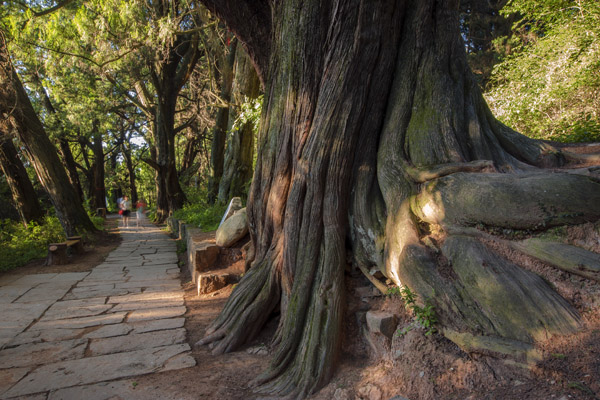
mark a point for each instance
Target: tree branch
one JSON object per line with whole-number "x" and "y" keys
{"x": 186, "y": 67}
{"x": 150, "y": 162}
{"x": 185, "y": 125}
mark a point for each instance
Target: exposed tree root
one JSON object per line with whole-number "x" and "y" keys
{"x": 568, "y": 258}
{"x": 246, "y": 311}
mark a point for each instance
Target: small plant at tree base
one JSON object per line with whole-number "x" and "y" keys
{"x": 424, "y": 317}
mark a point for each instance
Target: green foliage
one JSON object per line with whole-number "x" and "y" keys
{"x": 181, "y": 246}
{"x": 250, "y": 112}
{"x": 199, "y": 213}
{"x": 547, "y": 85}
{"x": 96, "y": 220}
{"x": 424, "y": 317}
{"x": 20, "y": 244}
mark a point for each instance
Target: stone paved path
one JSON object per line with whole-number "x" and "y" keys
{"x": 63, "y": 333}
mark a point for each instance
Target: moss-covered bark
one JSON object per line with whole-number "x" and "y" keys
{"x": 373, "y": 122}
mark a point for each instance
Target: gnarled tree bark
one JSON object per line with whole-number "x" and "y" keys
{"x": 373, "y": 125}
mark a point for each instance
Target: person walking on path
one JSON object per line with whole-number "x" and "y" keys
{"x": 126, "y": 207}
{"x": 141, "y": 207}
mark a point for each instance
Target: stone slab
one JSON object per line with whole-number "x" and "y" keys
{"x": 134, "y": 341}
{"x": 8, "y": 294}
{"x": 102, "y": 368}
{"x": 45, "y": 291}
{"x": 154, "y": 296}
{"x": 42, "y": 353}
{"x": 156, "y": 313}
{"x": 15, "y": 314}
{"x": 47, "y": 335}
{"x": 69, "y": 276}
{"x": 141, "y": 305}
{"x": 8, "y": 377}
{"x": 32, "y": 280}
{"x": 108, "y": 331}
{"x": 64, "y": 310}
{"x": 156, "y": 325}
{"x": 116, "y": 390}
{"x": 89, "y": 294}
{"x": 83, "y": 322}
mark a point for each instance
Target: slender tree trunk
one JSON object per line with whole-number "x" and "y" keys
{"x": 71, "y": 166}
{"x": 374, "y": 126}
{"x": 170, "y": 194}
{"x": 15, "y": 105}
{"x": 188, "y": 162}
{"x": 98, "y": 199}
{"x": 131, "y": 172}
{"x": 64, "y": 148}
{"x": 170, "y": 76}
{"x": 239, "y": 153}
{"x": 23, "y": 193}
{"x": 221, "y": 124}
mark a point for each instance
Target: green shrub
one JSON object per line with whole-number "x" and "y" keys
{"x": 20, "y": 244}
{"x": 547, "y": 85}
{"x": 204, "y": 216}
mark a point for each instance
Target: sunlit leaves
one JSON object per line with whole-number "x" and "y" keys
{"x": 548, "y": 85}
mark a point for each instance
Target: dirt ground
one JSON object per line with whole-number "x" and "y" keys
{"x": 413, "y": 365}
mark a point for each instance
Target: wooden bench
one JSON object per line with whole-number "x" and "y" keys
{"x": 58, "y": 252}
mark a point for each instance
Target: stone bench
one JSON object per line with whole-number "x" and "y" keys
{"x": 58, "y": 252}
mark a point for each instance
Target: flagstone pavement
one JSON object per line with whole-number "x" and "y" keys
{"x": 61, "y": 333}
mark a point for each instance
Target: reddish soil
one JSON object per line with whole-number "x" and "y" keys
{"x": 413, "y": 365}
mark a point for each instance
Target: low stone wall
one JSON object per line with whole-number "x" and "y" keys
{"x": 202, "y": 255}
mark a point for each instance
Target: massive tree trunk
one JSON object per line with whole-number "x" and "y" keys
{"x": 23, "y": 193}
{"x": 374, "y": 126}
{"x": 217, "y": 154}
{"x": 239, "y": 153}
{"x": 16, "y": 107}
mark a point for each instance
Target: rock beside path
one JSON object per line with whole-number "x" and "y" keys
{"x": 233, "y": 229}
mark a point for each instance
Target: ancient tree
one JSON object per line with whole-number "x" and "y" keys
{"x": 17, "y": 111}
{"x": 373, "y": 129}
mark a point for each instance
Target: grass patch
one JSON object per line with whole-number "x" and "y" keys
{"x": 206, "y": 217}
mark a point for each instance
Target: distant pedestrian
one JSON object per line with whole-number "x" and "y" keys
{"x": 141, "y": 207}
{"x": 126, "y": 208}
